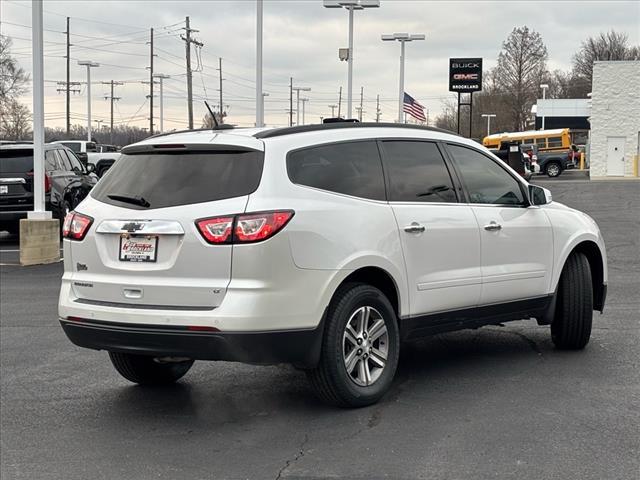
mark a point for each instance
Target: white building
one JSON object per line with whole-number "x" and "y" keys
{"x": 615, "y": 119}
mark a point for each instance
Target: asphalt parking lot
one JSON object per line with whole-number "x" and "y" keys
{"x": 498, "y": 402}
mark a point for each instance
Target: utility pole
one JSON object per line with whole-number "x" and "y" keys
{"x": 361, "y": 96}
{"x": 68, "y": 80}
{"x": 333, "y": 110}
{"x": 112, "y": 99}
{"x": 220, "y": 106}
{"x": 339, "y": 102}
{"x": 161, "y": 77}
{"x": 298, "y": 90}
{"x": 150, "y": 88}
{"x": 188, "y": 41}
{"x": 427, "y": 117}
{"x": 291, "y": 101}
{"x": 378, "y": 108}
{"x": 304, "y": 101}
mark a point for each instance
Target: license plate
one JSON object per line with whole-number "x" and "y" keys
{"x": 4, "y": 189}
{"x": 138, "y": 249}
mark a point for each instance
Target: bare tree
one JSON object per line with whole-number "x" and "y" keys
{"x": 13, "y": 79}
{"x": 15, "y": 121}
{"x": 520, "y": 69}
{"x": 606, "y": 46}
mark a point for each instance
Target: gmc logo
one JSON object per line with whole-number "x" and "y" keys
{"x": 465, "y": 76}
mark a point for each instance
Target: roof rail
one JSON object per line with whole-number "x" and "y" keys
{"x": 224, "y": 126}
{"x": 278, "y": 132}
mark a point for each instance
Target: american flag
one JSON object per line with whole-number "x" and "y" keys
{"x": 413, "y": 108}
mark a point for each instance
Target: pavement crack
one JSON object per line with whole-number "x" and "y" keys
{"x": 301, "y": 452}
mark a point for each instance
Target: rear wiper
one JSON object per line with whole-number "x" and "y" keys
{"x": 133, "y": 199}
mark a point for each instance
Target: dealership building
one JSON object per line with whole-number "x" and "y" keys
{"x": 615, "y": 119}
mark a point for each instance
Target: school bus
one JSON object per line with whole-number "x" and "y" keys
{"x": 546, "y": 140}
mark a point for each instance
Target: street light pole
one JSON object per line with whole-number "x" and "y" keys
{"x": 259, "y": 96}
{"x": 351, "y": 5}
{"x": 304, "y": 101}
{"x": 89, "y": 64}
{"x": 161, "y": 77}
{"x": 402, "y": 38}
{"x": 39, "y": 212}
{"x": 488, "y": 116}
{"x": 544, "y": 87}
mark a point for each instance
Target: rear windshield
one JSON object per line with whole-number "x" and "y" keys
{"x": 167, "y": 180}
{"x": 16, "y": 160}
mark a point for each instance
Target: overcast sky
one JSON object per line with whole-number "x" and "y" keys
{"x": 301, "y": 40}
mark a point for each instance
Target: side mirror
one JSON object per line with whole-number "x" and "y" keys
{"x": 91, "y": 168}
{"x": 539, "y": 195}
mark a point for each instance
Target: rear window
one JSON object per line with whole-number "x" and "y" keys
{"x": 172, "y": 179}
{"x": 16, "y": 160}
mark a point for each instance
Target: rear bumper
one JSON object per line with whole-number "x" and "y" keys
{"x": 299, "y": 347}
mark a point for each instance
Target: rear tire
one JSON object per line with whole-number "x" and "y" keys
{"x": 373, "y": 362}
{"x": 145, "y": 370}
{"x": 571, "y": 327}
{"x": 553, "y": 169}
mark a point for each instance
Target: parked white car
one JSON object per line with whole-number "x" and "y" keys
{"x": 323, "y": 246}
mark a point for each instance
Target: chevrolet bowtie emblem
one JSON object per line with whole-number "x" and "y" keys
{"x": 132, "y": 226}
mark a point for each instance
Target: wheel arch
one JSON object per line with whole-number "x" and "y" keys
{"x": 596, "y": 260}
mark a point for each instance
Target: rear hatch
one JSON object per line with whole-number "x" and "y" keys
{"x": 143, "y": 248}
{"x": 16, "y": 179}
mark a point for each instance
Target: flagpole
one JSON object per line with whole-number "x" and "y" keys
{"x": 401, "y": 93}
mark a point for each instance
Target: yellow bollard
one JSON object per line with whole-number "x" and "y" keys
{"x": 581, "y": 160}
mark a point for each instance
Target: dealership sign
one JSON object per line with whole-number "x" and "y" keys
{"x": 465, "y": 75}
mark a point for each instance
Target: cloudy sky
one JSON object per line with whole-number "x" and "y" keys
{"x": 301, "y": 40}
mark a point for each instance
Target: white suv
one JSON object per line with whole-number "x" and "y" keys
{"x": 323, "y": 246}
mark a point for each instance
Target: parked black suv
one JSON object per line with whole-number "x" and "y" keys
{"x": 67, "y": 182}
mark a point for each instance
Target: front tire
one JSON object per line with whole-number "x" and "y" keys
{"x": 360, "y": 348}
{"x": 145, "y": 370}
{"x": 571, "y": 327}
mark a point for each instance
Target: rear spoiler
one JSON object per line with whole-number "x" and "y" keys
{"x": 184, "y": 147}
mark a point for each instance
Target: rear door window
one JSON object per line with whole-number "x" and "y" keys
{"x": 64, "y": 158}
{"x": 172, "y": 179}
{"x": 351, "y": 168}
{"x": 416, "y": 172}
{"x": 19, "y": 160}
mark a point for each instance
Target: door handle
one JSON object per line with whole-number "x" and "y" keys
{"x": 493, "y": 226}
{"x": 414, "y": 228}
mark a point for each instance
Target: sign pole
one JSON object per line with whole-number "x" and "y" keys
{"x": 458, "y": 124}
{"x": 470, "y": 113}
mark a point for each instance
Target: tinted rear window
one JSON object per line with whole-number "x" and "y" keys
{"x": 16, "y": 160}
{"x": 167, "y": 180}
{"x": 352, "y": 168}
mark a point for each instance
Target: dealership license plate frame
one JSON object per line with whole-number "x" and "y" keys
{"x": 154, "y": 239}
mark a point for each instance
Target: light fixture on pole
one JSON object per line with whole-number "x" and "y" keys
{"x": 298, "y": 90}
{"x": 161, "y": 77}
{"x": 402, "y": 38}
{"x": 89, "y": 64}
{"x": 351, "y": 5}
{"x": 544, "y": 87}
{"x": 488, "y": 116}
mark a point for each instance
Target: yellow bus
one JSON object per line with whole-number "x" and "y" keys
{"x": 546, "y": 140}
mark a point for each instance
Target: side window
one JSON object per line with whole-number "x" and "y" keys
{"x": 554, "y": 142}
{"x": 66, "y": 163}
{"x": 486, "y": 181}
{"x": 416, "y": 172}
{"x": 75, "y": 163}
{"x": 75, "y": 146}
{"x": 352, "y": 168}
{"x": 50, "y": 163}
{"x": 91, "y": 147}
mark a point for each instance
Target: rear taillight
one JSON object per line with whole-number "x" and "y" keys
{"x": 47, "y": 181}
{"x": 216, "y": 230}
{"x": 76, "y": 226}
{"x": 243, "y": 228}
